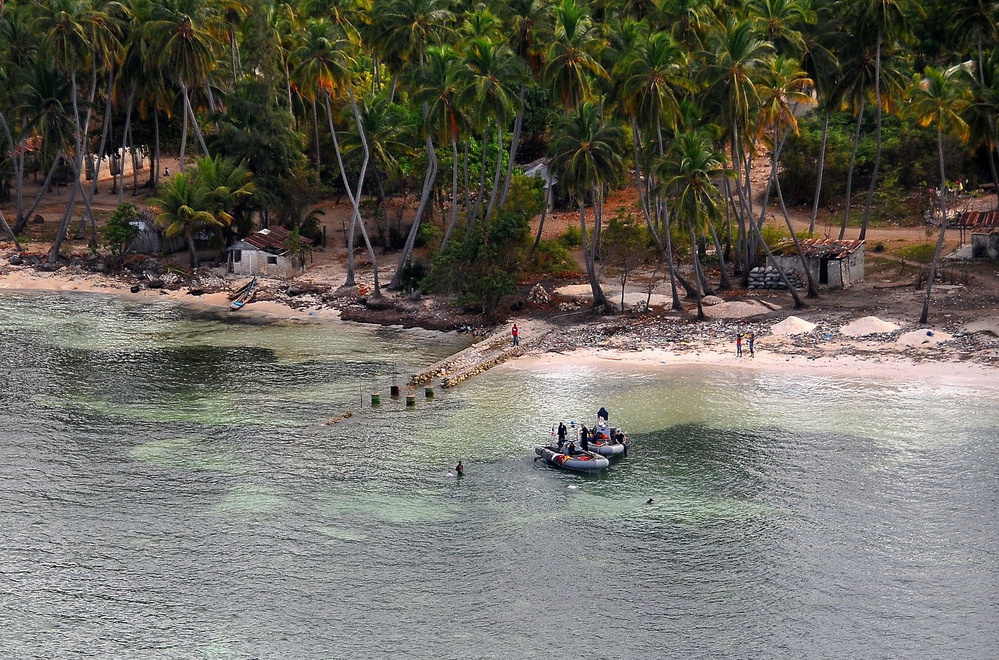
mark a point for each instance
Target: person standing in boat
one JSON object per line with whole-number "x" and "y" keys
{"x": 584, "y": 444}
{"x": 583, "y": 431}
{"x": 561, "y": 434}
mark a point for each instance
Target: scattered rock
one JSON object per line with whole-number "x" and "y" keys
{"x": 15, "y": 260}
{"x": 539, "y": 296}
{"x": 155, "y": 284}
{"x": 711, "y": 300}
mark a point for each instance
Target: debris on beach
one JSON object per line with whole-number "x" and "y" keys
{"x": 869, "y": 325}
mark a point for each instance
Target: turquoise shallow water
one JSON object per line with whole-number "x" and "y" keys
{"x": 171, "y": 490}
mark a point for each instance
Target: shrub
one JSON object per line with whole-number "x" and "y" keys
{"x": 921, "y": 252}
{"x": 572, "y": 237}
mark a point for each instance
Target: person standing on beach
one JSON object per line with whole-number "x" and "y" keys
{"x": 738, "y": 345}
{"x": 516, "y": 335}
{"x": 752, "y": 338}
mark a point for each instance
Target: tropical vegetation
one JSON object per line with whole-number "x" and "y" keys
{"x": 272, "y": 105}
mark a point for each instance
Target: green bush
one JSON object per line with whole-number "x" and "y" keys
{"x": 572, "y": 237}
{"x": 552, "y": 257}
{"x": 119, "y": 232}
{"x": 921, "y": 252}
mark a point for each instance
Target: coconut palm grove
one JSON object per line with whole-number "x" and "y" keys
{"x": 869, "y": 109}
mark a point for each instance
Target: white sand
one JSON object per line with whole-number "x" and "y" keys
{"x": 923, "y": 338}
{"x": 736, "y": 310}
{"x": 869, "y": 325}
{"x": 792, "y": 325}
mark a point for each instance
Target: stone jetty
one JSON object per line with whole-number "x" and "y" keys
{"x": 481, "y": 356}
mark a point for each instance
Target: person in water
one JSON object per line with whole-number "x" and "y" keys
{"x": 459, "y": 469}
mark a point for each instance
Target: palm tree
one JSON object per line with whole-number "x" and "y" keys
{"x": 689, "y": 171}
{"x": 63, "y": 26}
{"x": 572, "y": 56}
{"x": 740, "y": 56}
{"x": 185, "y": 209}
{"x": 182, "y": 39}
{"x": 652, "y": 81}
{"x": 938, "y": 99}
{"x": 488, "y": 79}
{"x": 886, "y": 19}
{"x": 785, "y": 88}
{"x": 586, "y": 154}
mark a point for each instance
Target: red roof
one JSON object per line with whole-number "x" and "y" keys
{"x": 824, "y": 248}
{"x": 271, "y": 239}
{"x": 979, "y": 222}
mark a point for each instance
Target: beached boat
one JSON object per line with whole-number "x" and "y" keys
{"x": 243, "y": 294}
{"x": 581, "y": 461}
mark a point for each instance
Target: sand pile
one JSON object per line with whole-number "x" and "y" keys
{"x": 792, "y": 325}
{"x": 923, "y": 338}
{"x": 869, "y": 325}
{"x": 735, "y": 310}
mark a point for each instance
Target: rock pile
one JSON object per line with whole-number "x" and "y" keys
{"x": 769, "y": 278}
{"x": 539, "y": 295}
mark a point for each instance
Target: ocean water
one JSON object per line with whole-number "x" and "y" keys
{"x": 171, "y": 487}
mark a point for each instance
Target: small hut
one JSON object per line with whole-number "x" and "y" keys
{"x": 265, "y": 252}
{"x": 983, "y": 226}
{"x": 833, "y": 263}
{"x": 152, "y": 239}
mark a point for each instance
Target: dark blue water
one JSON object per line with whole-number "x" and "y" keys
{"x": 171, "y": 489}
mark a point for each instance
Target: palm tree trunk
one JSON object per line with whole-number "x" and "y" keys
{"x": 23, "y": 220}
{"x": 482, "y": 186}
{"x": 780, "y": 270}
{"x": 544, "y": 214}
{"x": 154, "y": 172}
{"x": 943, "y": 228}
{"x": 877, "y": 140}
{"x": 723, "y": 281}
{"x": 454, "y": 190}
{"x": 78, "y": 162}
{"x": 849, "y": 170}
{"x": 428, "y": 184}
{"x": 494, "y": 195}
{"x": 599, "y": 300}
{"x": 194, "y": 120}
{"x": 813, "y": 291}
{"x": 315, "y": 136}
{"x": 124, "y": 141}
{"x": 518, "y": 123}
{"x": 100, "y": 156}
{"x": 822, "y": 165}
{"x": 183, "y": 140}
{"x": 697, "y": 270}
{"x": 10, "y": 232}
{"x": 192, "y": 252}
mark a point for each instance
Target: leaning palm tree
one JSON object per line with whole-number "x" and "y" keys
{"x": 586, "y": 155}
{"x": 784, "y": 89}
{"x": 938, "y": 99}
{"x": 688, "y": 172}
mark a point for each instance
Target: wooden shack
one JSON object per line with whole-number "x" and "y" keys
{"x": 265, "y": 253}
{"x": 983, "y": 227}
{"x": 832, "y": 263}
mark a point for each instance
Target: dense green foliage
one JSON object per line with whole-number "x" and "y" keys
{"x": 433, "y": 100}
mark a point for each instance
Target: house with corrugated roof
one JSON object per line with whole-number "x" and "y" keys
{"x": 832, "y": 263}
{"x": 266, "y": 253}
{"x": 983, "y": 226}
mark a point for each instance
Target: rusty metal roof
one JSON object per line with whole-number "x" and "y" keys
{"x": 824, "y": 248}
{"x": 271, "y": 239}
{"x": 979, "y": 222}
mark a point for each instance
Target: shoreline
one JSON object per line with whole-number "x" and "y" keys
{"x": 637, "y": 343}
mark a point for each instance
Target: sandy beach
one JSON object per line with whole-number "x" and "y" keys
{"x": 835, "y": 344}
